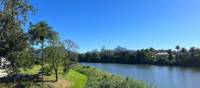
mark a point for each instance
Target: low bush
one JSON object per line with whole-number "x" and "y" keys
{"x": 48, "y": 70}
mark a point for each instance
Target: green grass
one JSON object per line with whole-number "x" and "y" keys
{"x": 83, "y": 77}
{"x": 79, "y": 80}
{"x": 34, "y": 70}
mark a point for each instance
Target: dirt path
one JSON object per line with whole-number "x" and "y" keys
{"x": 61, "y": 83}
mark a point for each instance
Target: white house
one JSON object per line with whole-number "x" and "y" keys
{"x": 162, "y": 55}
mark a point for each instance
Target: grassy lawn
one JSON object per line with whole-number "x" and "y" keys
{"x": 34, "y": 70}
{"x": 76, "y": 79}
{"x": 80, "y": 77}
{"x": 79, "y": 80}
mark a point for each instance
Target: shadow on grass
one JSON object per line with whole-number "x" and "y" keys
{"x": 22, "y": 78}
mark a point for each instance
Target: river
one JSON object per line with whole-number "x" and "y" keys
{"x": 159, "y": 76}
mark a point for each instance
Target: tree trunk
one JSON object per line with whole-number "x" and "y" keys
{"x": 65, "y": 62}
{"x": 56, "y": 74}
{"x": 42, "y": 60}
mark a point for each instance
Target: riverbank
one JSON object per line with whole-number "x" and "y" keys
{"x": 154, "y": 64}
{"x": 101, "y": 79}
{"x": 77, "y": 77}
{"x": 159, "y": 76}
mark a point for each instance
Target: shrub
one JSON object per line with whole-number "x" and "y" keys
{"x": 48, "y": 70}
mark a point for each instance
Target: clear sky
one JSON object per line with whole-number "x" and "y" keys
{"x": 134, "y": 24}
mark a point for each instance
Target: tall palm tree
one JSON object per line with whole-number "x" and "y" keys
{"x": 177, "y": 52}
{"x": 41, "y": 33}
{"x": 183, "y": 50}
{"x": 177, "y": 48}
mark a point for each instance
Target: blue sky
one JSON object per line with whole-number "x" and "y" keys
{"x": 134, "y": 24}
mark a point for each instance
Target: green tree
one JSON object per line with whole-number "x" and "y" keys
{"x": 23, "y": 59}
{"x": 13, "y": 39}
{"x": 41, "y": 33}
{"x": 170, "y": 57}
{"x": 192, "y": 52}
{"x": 54, "y": 55}
{"x": 177, "y": 52}
{"x": 151, "y": 49}
{"x": 70, "y": 46}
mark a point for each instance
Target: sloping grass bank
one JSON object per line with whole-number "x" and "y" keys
{"x": 78, "y": 80}
{"x": 101, "y": 79}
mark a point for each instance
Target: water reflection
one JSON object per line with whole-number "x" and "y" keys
{"x": 162, "y": 76}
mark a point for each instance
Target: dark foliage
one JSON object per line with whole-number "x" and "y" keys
{"x": 180, "y": 57}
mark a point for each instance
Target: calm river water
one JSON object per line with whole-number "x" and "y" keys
{"x": 159, "y": 76}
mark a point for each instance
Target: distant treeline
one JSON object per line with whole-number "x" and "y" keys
{"x": 178, "y": 57}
